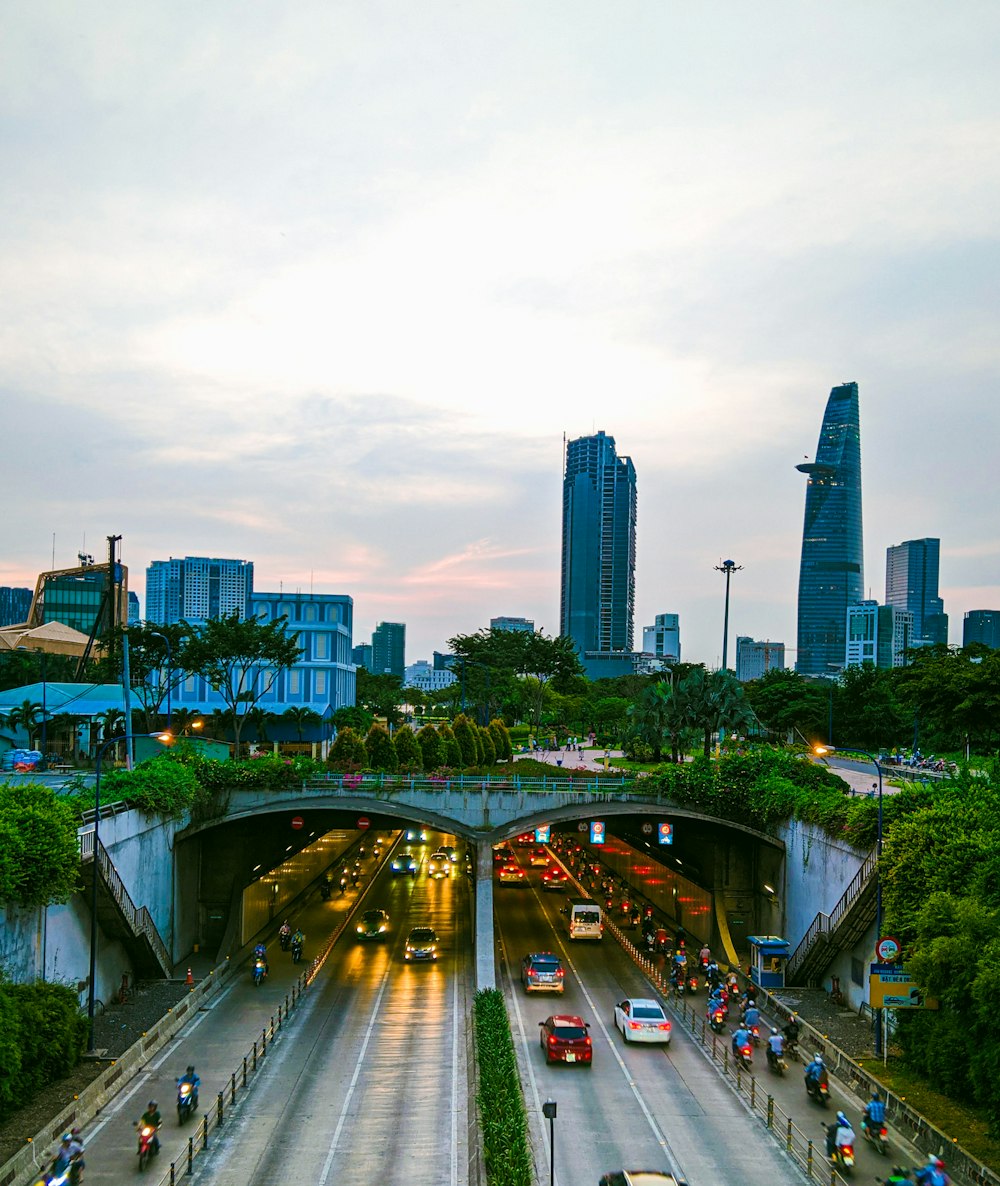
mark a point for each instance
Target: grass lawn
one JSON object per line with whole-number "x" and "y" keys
{"x": 970, "y": 1125}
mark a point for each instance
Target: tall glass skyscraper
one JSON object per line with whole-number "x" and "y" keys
{"x": 911, "y": 583}
{"x": 598, "y": 546}
{"x": 831, "y": 573}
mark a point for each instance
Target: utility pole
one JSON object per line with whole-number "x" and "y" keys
{"x": 727, "y": 567}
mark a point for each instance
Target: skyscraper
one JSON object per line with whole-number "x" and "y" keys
{"x": 389, "y": 649}
{"x": 982, "y": 625}
{"x": 911, "y": 583}
{"x": 831, "y": 572}
{"x": 663, "y": 638}
{"x": 197, "y": 588}
{"x": 598, "y": 546}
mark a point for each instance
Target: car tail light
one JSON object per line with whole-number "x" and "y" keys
{"x": 552, "y": 1039}
{"x": 664, "y": 1025}
{"x": 561, "y": 972}
{"x": 587, "y": 1041}
{"x": 634, "y": 1025}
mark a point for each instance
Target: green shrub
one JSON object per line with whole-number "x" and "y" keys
{"x": 502, "y": 1118}
{"x": 159, "y": 786}
{"x": 39, "y": 851}
{"x": 42, "y": 1037}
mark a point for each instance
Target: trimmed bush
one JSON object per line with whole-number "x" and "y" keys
{"x": 39, "y": 854}
{"x": 42, "y": 1037}
{"x": 502, "y": 1118}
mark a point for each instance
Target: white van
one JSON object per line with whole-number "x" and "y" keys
{"x": 583, "y": 919}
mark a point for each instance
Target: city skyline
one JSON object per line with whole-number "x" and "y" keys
{"x": 326, "y": 291}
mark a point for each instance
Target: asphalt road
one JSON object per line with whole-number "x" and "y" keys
{"x": 645, "y": 1106}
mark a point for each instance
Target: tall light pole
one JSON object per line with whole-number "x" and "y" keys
{"x": 92, "y": 980}
{"x": 842, "y": 749}
{"x": 170, "y": 670}
{"x": 549, "y": 1110}
{"x": 727, "y": 567}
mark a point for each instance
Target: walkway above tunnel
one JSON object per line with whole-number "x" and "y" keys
{"x": 475, "y": 807}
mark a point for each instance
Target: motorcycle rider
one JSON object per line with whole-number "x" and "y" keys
{"x": 815, "y": 1071}
{"x": 741, "y": 1038}
{"x": 152, "y": 1118}
{"x": 260, "y": 953}
{"x": 69, "y": 1152}
{"x": 874, "y": 1113}
{"x": 298, "y": 941}
{"x": 194, "y": 1079}
{"x": 933, "y": 1174}
{"x": 705, "y": 956}
{"x": 838, "y": 1134}
{"x": 775, "y": 1047}
{"x": 284, "y": 934}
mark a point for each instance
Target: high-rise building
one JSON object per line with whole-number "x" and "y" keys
{"x": 197, "y": 588}
{"x": 522, "y": 625}
{"x": 389, "y": 649}
{"x": 755, "y": 659}
{"x": 877, "y": 634}
{"x": 663, "y": 638}
{"x": 427, "y": 678}
{"x": 831, "y": 572}
{"x": 911, "y": 583}
{"x": 982, "y": 625}
{"x": 361, "y": 655}
{"x": 598, "y": 547}
{"x": 15, "y": 605}
{"x": 133, "y": 607}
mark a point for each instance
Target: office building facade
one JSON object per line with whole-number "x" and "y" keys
{"x": 663, "y": 638}
{"x": 427, "y": 677}
{"x": 879, "y": 635}
{"x": 15, "y": 605}
{"x": 831, "y": 570}
{"x": 521, "y": 625}
{"x": 911, "y": 583}
{"x": 361, "y": 655}
{"x": 196, "y": 588}
{"x": 983, "y": 626}
{"x": 389, "y": 649}
{"x": 597, "y": 600}
{"x": 755, "y": 659}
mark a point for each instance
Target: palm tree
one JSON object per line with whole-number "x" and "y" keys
{"x": 26, "y": 716}
{"x": 300, "y": 718}
{"x": 182, "y": 721}
{"x": 259, "y": 718}
{"x": 714, "y": 702}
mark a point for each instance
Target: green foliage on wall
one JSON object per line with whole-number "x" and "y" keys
{"x": 39, "y": 854}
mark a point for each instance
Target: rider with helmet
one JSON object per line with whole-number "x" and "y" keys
{"x": 191, "y": 1077}
{"x": 152, "y": 1118}
{"x": 839, "y": 1133}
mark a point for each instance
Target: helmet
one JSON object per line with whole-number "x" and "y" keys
{"x": 190, "y": 1070}
{"x": 842, "y": 1119}
{"x": 773, "y": 1030}
{"x": 875, "y": 1095}
{"x": 938, "y": 1163}
{"x": 67, "y": 1137}
{"x": 151, "y": 1104}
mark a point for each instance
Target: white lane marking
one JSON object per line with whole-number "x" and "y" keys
{"x": 454, "y": 1077}
{"x": 328, "y": 1163}
{"x": 658, "y": 1133}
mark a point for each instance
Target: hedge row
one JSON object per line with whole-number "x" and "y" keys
{"x": 502, "y": 1119}
{"x": 42, "y": 1037}
{"x": 39, "y": 857}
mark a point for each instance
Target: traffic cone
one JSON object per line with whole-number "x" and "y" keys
{"x": 190, "y": 979}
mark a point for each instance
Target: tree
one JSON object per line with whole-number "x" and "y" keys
{"x": 150, "y": 674}
{"x": 713, "y": 702}
{"x": 259, "y": 718}
{"x": 501, "y": 740}
{"x": 39, "y": 853}
{"x": 26, "y": 716}
{"x": 462, "y": 729}
{"x": 348, "y": 750}
{"x": 408, "y": 751}
{"x": 452, "y": 750}
{"x": 381, "y": 695}
{"x": 381, "y": 750}
{"x": 788, "y": 703}
{"x": 350, "y": 716}
{"x": 301, "y": 718}
{"x": 240, "y": 658}
{"x": 868, "y": 711}
{"x": 431, "y": 748}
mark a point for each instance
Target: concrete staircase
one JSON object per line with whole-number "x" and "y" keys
{"x": 829, "y": 934}
{"x": 120, "y": 918}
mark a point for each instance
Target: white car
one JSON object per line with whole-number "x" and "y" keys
{"x": 642, "y": 1020}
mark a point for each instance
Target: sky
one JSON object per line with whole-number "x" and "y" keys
{"x": 324, "y": 285}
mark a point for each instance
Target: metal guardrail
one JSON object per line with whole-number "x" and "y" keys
{"x": 465, "y": 783}
{"x": 215, "y": 1114}
{"x": 138, "y": 918}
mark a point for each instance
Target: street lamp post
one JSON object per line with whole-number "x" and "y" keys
{"x": 170, "y": 670}
{"x": 727, "y": 568}
{"x": 841, "y": 749}
{"x": 549, "y": 1112}
{"x": 92, "y": 981}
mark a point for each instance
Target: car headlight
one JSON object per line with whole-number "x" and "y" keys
{"x": 382, "y": 927}
{"x": 361, "y": 930}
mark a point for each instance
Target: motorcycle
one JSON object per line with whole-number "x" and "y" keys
{"x": 842, "y": 1158}
{"x": 324, "y": 890}
{"x": 284, "y": 938}
{"x": 877, "y": 1135}
{"x": 661, "y": 941}
{"x": 343, "y": 883}
{"x": 754, "y": 1034}
{"x": 792, "y": 1049}
{"x": 775, "y": 1062}
{"x": 259, "y": 972}
{"x": 634, "y": 920}
{"x": 185, "y": 1101}
{"x": 147, "y": 1145}
{"x": 296, "y": 952}
{"x": 717, "y": 1020}
{"x": 691, "y": 984}
{"x": 818, "y": 1089}
{"x": 744, "y": 1055}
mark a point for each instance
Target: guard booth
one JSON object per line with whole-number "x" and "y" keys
{"x": 768, "y": 954}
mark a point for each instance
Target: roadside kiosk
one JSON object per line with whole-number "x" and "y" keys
{"x": 767, "y": 960}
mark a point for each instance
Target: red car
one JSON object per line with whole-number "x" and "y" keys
{"x": 564, "y": 1038}
{"x": 555, "y": 879}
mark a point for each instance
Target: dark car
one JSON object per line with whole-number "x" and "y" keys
{"x": 555, "y": 879}
{"x": 564, "y": 1038}
{"x": 373, "y": 924}
{"x": 541, "y": 971}
{"x": 421, "y": 944}
{"x": 404, "y": 862}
